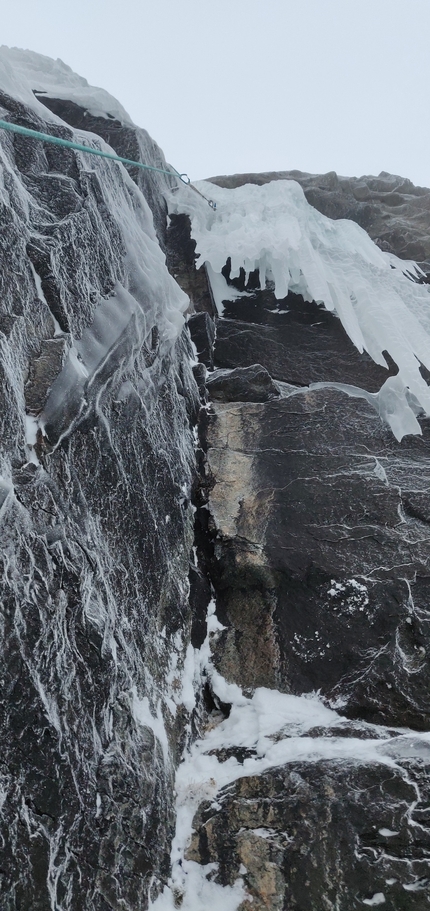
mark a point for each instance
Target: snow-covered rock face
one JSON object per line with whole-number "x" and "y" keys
{"x": 97, "y": 463}
{"x": 249, "y": 730}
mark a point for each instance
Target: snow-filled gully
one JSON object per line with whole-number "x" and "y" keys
{"x": 277, "y": 729}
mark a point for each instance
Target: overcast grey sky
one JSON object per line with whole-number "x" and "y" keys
{"x": 249, "y": 85}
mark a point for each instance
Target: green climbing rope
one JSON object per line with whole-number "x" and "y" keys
{"x": 66, "y": 143}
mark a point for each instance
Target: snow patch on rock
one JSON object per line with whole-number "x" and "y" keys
{"x": 23, "y": 72}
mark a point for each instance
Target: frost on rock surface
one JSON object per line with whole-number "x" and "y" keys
{"x": 156, "y": 754}
{"x": 376, "y": 296}
{"x": 96, "y": 450}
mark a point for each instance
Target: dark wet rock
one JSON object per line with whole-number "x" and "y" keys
{"x": 297, "y": 342}
{"x": 202, "y": 331}
{"x": 323, "y": 835}
{"x": 394, "y": 212}
{"x": 181, "y": 258}
{"x": 244, "y": 384}
{"x": 200, "y": 595}
{"x": 199, "y": 373}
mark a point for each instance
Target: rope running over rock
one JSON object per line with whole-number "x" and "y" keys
{"x": 66, "y": 143}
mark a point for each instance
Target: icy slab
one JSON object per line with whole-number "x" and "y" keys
{"x": 24, "y": 72}
{"x": 149, "y": 296}
{"x": 120, "y": 327}
{"x": 273, "y": 228}
{"x": 394, "y": 403}
{"x": 148, "y": 299}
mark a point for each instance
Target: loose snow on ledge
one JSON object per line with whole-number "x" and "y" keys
{"x": 274, "y": 229}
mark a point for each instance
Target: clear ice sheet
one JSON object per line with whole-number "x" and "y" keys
{"x": 382, "y": 308}
{"x": 149, "y": 297}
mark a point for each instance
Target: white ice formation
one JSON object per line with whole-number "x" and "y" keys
{"x": 377, "y": 296}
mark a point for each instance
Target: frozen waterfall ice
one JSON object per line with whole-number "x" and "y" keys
{"x": 378, "y": 297}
